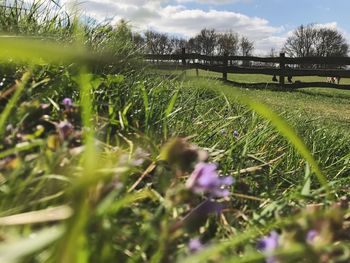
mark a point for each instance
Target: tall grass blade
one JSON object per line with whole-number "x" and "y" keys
{"x": 145, "y": 103}
{"x": 13, "y": 101}
{"x": 289, "y": 133}
{"x": 13, "y": 252}
{"x": 168, "y": 111}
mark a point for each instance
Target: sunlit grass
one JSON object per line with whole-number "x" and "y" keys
{"x": 93, "y": 181}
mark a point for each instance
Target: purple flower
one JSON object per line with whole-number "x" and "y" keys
{"x": 236, "y": 134}
{"x": 195, "y": 245}
{"x": 311, "y": 235}
{"x": 268, "y": 245}
{"x": 65, "y": 128}
{"x": 205, "y": 179}
{"x": 68, "y": 103}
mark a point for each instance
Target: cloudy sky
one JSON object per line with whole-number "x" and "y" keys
{"x": 267, "y": 22}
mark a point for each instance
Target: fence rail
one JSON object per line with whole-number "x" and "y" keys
{"x": 286, "y": 60}
{"x": 308, "y": 66}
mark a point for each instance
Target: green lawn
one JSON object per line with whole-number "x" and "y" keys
{"x": 252, "y": 78}
{"x": 324, "y": 105}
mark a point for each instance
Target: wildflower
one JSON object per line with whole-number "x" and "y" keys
{"x": 205, "y": 179}
{"x": 65, "y": 128}
{"x": 311, "y": 235}
{"x": 268, "y": 245}
{"x": 236, "y": 134}
{"x": 68, "y": 103}
{"x": 195, "y": 245}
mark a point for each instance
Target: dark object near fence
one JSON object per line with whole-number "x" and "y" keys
{"x": 229, "y": 64}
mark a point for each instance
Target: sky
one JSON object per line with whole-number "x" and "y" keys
{"x": 267, "y": 22}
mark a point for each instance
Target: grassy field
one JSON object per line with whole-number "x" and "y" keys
{"x": 247, "y": 78}
{"x": 102, "y": 160}
{"x": 327, "y": 105}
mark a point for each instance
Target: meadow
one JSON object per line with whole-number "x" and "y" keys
{"x": 106, "y": 160}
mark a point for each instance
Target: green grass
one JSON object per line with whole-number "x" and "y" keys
{"x": 118, "y": 209}
{"x": 318, "y": 104}
{"x": 247, "y": 78}
{"x": 111, "y": 185}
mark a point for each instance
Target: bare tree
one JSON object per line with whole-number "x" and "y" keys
{"x": 329, "y": 42}
{"x": 246, "y": 46}
{"x": 315, "y": 41}
{"x": 158, "y": 43}
{"x": 177, "y": 44}
{"x": 193, "y": 45}
{"x": 207, "y": 40}
{"x": 300, "y": 44}
{"x": 228, "y": 44}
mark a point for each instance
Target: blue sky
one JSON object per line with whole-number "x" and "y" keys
{"x": 267, "y": 22}
{"x": 288, "y": 13}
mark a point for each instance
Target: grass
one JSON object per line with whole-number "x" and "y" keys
{"x": 318, "y": 104}
{"x": 105, "y": 179}
{"x": 247, "y": 78}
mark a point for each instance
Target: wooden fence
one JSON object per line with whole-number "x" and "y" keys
{"x": 281, "y": 66}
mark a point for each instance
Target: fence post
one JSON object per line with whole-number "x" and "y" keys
{"x": 183, "y": 52}
{"x": 183, "y": 60}
{"x": 224, "y": 74}
{"x": 282, "y": 67}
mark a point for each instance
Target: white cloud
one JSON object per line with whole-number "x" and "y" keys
{"x": 180, "y": 20}
{"x": 217, "y": 2}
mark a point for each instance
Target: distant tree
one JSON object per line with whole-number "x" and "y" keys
{"x": 330, "y": 42}
{"x": 300, "y": 44}
{"x": 207, "y": 41}
{"x": 193, "y": 45}
{"x": 246, "y": 46}
{"x": 310, "y": 40}
{"x": 158, "y": 43}
{"x": 177, "y": 44}
{"x": 228, "y": 43}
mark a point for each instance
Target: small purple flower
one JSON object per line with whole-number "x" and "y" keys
{"x": 311, "y": 235}
{"x": 268, "y": 245}
{"x": 236, "y": 134}
{"x": 205, "y": 179}
{"x": 68, "y": 103}
{"x": 65, "y": 128}
{"x": 195, "y": 245}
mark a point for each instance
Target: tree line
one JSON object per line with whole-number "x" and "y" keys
{"x": 207, "y": 42}
{"x": 305, "y": 41}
